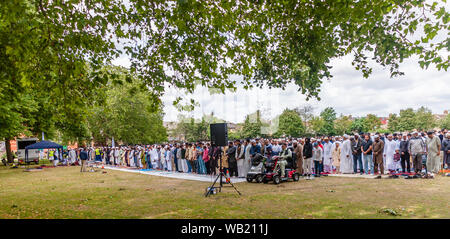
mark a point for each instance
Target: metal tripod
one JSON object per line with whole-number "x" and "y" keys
{"x": 220, "y": 178}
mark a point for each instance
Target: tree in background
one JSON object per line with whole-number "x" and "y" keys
{"x": 317, "y": 124}
{"x": 343, "y": 125}
{"x": 306, "y": 113}
{"x": 329, "y": 116}
{"x": 444, "y": 123}
{"x": 409, "y": 119}
{"x": 359, "y": 125}
{"x": 193, "y": 130}
{"x": 290, "y": 124}
{"x": 372, "y": 122}
{"x": 126, "y": 113}
{"x": 424, "y": 119}
{"x": 236, "y": 135}
{"x": 406, "y": 120}
{"x": 393, "y": 124}
{"x": 252, "y": 125}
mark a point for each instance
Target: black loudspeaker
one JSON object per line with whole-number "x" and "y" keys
{"x": 219, "y": 134}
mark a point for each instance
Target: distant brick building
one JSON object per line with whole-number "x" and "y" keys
{"x": 384, "y": 122}
{"x": 441, "y": 116}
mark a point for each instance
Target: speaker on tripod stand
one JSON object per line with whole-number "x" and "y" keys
{"x": 219, "y": 137}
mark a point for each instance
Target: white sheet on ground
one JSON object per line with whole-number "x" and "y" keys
{"x": 188, "y": 176}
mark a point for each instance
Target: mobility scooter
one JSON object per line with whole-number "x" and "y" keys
{"x": 273, "y": 171}
{"x": 257, "y": 170}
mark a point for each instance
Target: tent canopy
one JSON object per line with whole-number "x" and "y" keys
{"x": 44, "y": 145}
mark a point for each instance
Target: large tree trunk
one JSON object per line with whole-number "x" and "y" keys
{"x": 9, "y": 155}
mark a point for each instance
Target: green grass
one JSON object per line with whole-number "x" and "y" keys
{"x": 64, "y": 192}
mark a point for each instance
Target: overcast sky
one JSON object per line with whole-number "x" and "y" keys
{"x": 347, "y": 92}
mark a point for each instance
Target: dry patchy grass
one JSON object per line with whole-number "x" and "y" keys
{"x": 64, "y": 192}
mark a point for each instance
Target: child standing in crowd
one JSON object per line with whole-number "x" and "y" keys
{"x": 317, "y": 158}
{"x": 336, "y": 155}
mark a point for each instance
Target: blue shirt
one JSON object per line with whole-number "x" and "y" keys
{"x": 255, "y": 149}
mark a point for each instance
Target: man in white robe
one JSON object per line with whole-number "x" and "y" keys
{"x": 241, "y": 159}
{"x": 131, "y": 158}
{"x": 169, "y": 155}
{"x": 389, "y": 150}
{"x": 327, "y": 157}
{"x": 162, "y": 158}
{"x": 138, "y": 158}
{"x": 346, "y": 156}
{"x": 116, "y": 156}
{"x": 154, "y": 157}
{"x": 247, "y": 160}
{"x": 72, "y": 156}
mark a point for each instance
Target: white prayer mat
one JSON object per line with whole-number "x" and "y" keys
{"x": 357, "y": 176}
{"x": 167, "y": 174}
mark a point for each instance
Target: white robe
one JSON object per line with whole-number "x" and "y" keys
{"x": 346, "y": 162}
{"x": 246, "y": 166}
{"x": 162, "y": 158}
{"x": 154, "y": 158}
{"x": 240, "y": 162}
{"x": 138, "y": 158}
{"x": 168, "y": 163}
{"x": 389, "y": 151}
{"x": 131, "y": 158}
{"x": 72, "y": 156}
{"x": 327, "y": 157}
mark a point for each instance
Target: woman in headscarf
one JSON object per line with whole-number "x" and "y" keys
{"x": 206, "y": 158}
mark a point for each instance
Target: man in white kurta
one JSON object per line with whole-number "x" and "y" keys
{"x": 72, "y": 156}
{"x": 162, "y": 158}
{"x": 131, "y": 158}
{"x": 241, "y": 159}
{"x": 433, "y": 153}
{"x": 327, "y": 157}
{"x": 116, "y": 156}
{"x": 154, "y": 157}
{"x": 168, "y": 163}
{"x": 346, "y": 156}
{"x": 247, "y": 160}
{"x": 389, "y": 150}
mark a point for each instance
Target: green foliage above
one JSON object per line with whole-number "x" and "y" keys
{"x": 275, "y": 42}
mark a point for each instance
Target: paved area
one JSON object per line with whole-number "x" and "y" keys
{"x": 188, "y": 176}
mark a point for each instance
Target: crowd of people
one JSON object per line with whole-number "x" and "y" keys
{"x": 423, "y": 153}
